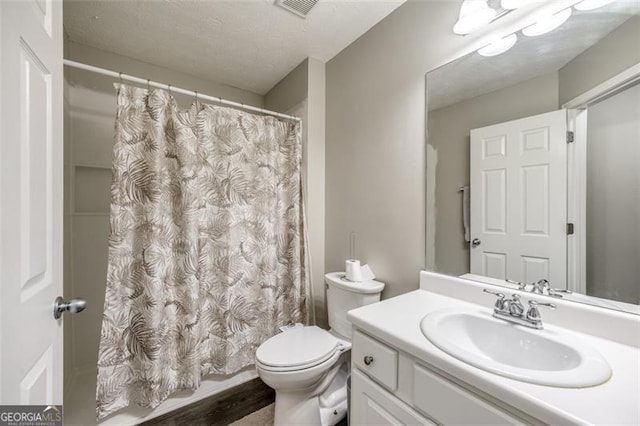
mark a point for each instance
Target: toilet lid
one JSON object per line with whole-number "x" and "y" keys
{"x": 297, "y": 347}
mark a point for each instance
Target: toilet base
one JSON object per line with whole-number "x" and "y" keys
{"x": 324, "y": 404}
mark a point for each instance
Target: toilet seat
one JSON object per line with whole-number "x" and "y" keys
{"x": 297, "y": 349}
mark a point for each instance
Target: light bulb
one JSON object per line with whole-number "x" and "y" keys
{"x": 591, "y": 4}
{"x": 499, "y": 46}
{"x": 473, "y": 15}
{"x": 547, "y": 23}
{"x": 514, "y": 4}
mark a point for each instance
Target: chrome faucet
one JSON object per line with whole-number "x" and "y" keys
{"x": 512, "y": 310}
{"x": 544, "y": 288}
{"x": 541, "y": 287}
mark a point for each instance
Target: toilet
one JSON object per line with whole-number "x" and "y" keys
{"x": 308, "y": 367}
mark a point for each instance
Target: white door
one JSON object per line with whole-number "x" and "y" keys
{"x": 519, "y": 199}
{"x": 31, "y": 145}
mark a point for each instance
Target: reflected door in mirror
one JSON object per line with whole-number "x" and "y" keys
{"x": 518, "y": 199}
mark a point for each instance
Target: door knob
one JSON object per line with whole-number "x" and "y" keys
{"x": 368, "y": 360}
{"x": 475, "y": 242}
{"x": 73, "y": 306}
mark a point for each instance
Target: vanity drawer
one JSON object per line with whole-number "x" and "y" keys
{"x": 448, "y": 403}
{"x": 376, "y": 359}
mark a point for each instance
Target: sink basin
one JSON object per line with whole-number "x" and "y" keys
{"x": 544, "y": 357}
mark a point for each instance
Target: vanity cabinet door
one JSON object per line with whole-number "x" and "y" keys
{"x": 372, "y": 405}
{"x": 448, "y": 403}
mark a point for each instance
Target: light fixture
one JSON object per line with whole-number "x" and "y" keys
{"x": 499, "y": 46}
{"x": 473, "y": 15}
{"x": 591, "y": 4}
{"x": 547, "y": 23}
{"x": 514, "y": 4}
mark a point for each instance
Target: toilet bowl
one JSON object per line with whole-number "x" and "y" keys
{"x": 302, "y": 365}
{"x": 308, "y": 367}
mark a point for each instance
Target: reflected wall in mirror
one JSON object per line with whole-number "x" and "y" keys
{"x": 532, "y": 162}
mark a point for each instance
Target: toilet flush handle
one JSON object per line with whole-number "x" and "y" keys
{"x": 368, "y": 360}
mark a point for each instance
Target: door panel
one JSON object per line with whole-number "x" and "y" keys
{"x": 494, "y": 265}
{"x": 519, "y": 199}
{"x": 35, "y": 145}
{"x": 494, "y": 188}
{"x": 371, "y": 405}
{"x": 31, "y": 201}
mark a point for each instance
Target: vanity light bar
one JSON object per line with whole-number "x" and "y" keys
{"x": 537, "y": 22}
{"x": 499, "y": 46}
{"x": 547, "y": 23}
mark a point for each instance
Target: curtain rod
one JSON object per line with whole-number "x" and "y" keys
{"x": 174, "y": 89}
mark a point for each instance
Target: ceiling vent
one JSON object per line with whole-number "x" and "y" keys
{"x": 299, "y": 7}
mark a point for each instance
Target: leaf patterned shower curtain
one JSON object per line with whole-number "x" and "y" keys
{"x": 207, "y": 245}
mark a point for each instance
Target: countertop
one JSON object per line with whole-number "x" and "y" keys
{"x": 616, "y": 402}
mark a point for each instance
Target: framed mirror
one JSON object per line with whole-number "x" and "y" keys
{"x": 533, "y": 162}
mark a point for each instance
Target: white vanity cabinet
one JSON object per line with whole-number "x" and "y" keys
{"x": 373, "y": 405}
{"x": 389, "y": 387}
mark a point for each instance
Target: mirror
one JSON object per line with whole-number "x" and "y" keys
{"x": 536, "y": 152}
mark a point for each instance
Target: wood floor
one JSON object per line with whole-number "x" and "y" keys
{"x": 221, "y": 409}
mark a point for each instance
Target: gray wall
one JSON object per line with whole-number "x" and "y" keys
{"x": 616, "y": 52}
{"x": 302, "y": 93}
{"x": 375, "y": 141}
{"x": 100, "y": 58}
{"x": 448, "y": 141}
{"x": 290, "y": 91}
{"x": 613, "y": 197}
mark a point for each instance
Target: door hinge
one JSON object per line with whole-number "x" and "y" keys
{"x": 569, "y": 228}
{"x": 571, "y": 137}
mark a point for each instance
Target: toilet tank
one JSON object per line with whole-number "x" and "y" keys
{"x": 344, "y": 295}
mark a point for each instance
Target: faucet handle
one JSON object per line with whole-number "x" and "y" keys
{"x": 533, "y": 314}
{"x": 520, "y": 284}
{"x": 554, "y": 292}
{"x": 500, "y": 302}
{"x": 533, "y": 304}
{"x": 495, "y": 293}
{"x": 540, "y": 287}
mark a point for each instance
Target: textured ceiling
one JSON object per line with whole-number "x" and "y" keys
{"x": 475, "y": 75}
{"x": 250, "y": 44}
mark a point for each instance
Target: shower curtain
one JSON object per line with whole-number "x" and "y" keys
{"x": 207, "y": 245}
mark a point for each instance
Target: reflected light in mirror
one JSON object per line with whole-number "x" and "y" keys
{"x": 499, "y": 46}
{"x": 474, "y": 14}
{"x": 514, "y": 4}
{"x": 591, "y": 4}
{"x": 547, "y": 23}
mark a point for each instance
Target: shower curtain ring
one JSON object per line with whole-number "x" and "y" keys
{"x": 196, "y": 92}
{"x": 120, "y": 77}
{"x": 169, "y": 88}
{"x": 148, "y": 84}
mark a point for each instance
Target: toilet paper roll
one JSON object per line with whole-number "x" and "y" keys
{"x": 353, "y": 270}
